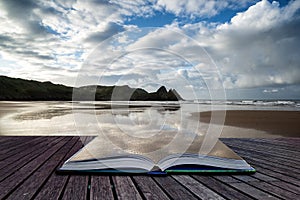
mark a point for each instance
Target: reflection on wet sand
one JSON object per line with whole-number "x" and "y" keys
{"x": 135, "y": 119}
{"x": 73, "y": 118}
{"x": 55, "y": 111}
{"x": 43, "y": 114}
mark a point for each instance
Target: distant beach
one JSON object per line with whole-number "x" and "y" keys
{"x": 279, "y": 122}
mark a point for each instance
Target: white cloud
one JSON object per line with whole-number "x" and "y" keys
{"x": 49, "y": 40}
{"x": 58, "y": 35}
{"x": 259, "y": 47}
{"x": 202, "y": 8}
{"x": 192, "y": 7}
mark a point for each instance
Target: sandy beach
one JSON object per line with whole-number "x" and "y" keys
{"x": 57, "y": 118}
{"x": 282, "y": 123}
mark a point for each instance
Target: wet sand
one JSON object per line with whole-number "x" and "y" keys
{"x": 57, "y": 118}
{"x": 9, "y": 107}
{"x": 282, "y": 123}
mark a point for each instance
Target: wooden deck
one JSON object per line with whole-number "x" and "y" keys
{"x": 28, "y": 164}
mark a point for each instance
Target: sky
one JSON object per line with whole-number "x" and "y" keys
{"x": 247, "y": 49}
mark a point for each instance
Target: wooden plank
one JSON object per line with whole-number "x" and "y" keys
{"x": 272, "y": 166}
{"x": 277, "y": 191}
{"x": 264, "y": 163}
{"x": 277, "y": 175}
{"x": 288, "y": 140}
{"x": 174, "y": 189}
{"x": 76, "y": 188}
{"x": 252, "y": 191}
{"x": 6, "y": 138}
{"x": 54, "y": 186}
{"x": 245, "y": 183}
{"x": 274, "y": 190}
{"x": 293, "y": 145}
{"x": 286, "y": 186}
{"x": 25, "y": 150}
{"x": 125, "y": 188}
{"x": 270, "y": 184}
{"x": 246, "y": 178}
{"x": 11, "y": 141}
{"x": 267, "y": 147}
{"x": 273, "y": 181}
{"x": 276, "y": 155}
{"x": 263, "y": 141}
{"x": 288, "y": 143}
{"x": 149, "y": 188}
{"x": 263, "y": 177}
{"x": 31, "y": 185}
{"x": 269, "y": 172}
{"x": 101, "y": 188}
{"x": 13, "y": 181}
{"x": 14, "y": 145}
{"x": 25, "y": 157}
{"x": 221, "y": 188}
{"x": 269, "y": 160}
{"x": 226, "y": 178}
{"x": 200, "y": 190}
{"x": 264, "y": 147}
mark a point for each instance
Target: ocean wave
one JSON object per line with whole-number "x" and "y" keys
{"x": 289, "y": 103}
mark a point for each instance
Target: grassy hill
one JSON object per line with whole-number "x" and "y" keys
{"x": 28, "y": 90}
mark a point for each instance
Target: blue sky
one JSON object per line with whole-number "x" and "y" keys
{"x": 204, "y": 49}
{"x": 163, "y": 17}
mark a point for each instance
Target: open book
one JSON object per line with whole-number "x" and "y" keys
{"x": 154, "y": 156}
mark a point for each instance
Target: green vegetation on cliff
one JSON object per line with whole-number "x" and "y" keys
{"x": 29, "y": 90}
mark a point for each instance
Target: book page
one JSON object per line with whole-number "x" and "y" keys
{"x": 155, "y": 148}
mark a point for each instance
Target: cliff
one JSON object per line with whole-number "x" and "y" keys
{"x": 28, "y": 90}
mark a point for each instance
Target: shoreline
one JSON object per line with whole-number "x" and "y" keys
{"x": 273, "y": 122}
{"x": 26, "y": 118}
